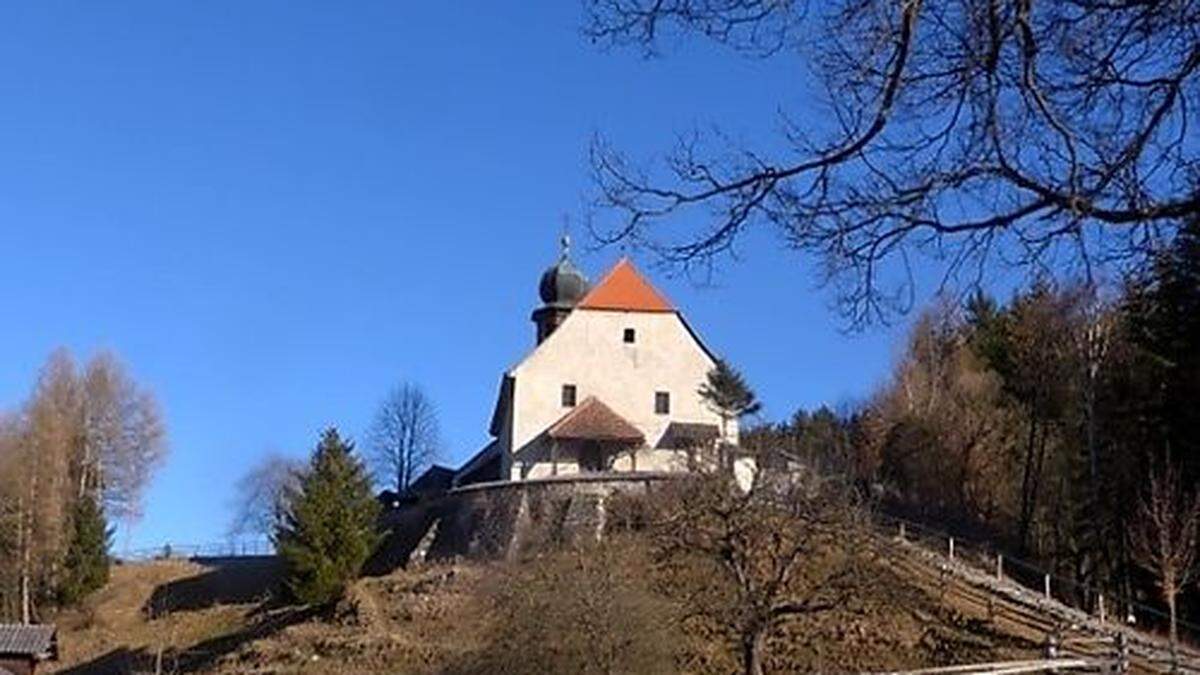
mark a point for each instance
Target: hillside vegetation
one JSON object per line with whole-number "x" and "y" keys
{"x": 567, "y": 610}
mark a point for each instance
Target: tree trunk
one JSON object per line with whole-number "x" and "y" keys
{"x": 1171, "y": 596}
{"x": 25, "y": 545}
{"x": 1027, "y": 491}
{"x": 753, "y": 646}
{"x": 721, "y": 449}
{"x": 26, "y": 613}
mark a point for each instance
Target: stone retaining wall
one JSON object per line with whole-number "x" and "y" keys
{"x": 493, "y": 520}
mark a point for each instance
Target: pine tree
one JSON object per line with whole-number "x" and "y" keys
{"x": 329, "y": 527}
{"x": 726, "y": 392}
{"x": 86, "y": 564}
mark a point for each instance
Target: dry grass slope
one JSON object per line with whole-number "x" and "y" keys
{"x": 218, "y": 618}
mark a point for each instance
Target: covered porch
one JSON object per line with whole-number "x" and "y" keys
{"x": 592, "y": 437}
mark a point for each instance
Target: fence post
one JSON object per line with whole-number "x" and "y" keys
{"x": 1122, "y": 653}
{"x": 952, "y": 548}
{"x": 1052, "y": 644}
{"x": 999, "y": 567}
{"x": 1047, "y": 580}
{"x": 1101, "y": 608}
{"x": 1052, "y": 640}
{"x": 901, "y": 531}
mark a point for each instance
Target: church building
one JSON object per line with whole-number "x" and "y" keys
{"x": 611, "y": 385}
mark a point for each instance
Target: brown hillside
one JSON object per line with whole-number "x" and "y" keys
{"x": 450, "y": 618}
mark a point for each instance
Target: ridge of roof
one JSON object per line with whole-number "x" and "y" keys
{"x": 624, "y": 288}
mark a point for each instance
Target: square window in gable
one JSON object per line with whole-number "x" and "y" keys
{"x": 568, "y": 396}
{"x": 630, "y": 336}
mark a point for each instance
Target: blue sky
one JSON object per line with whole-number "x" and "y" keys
{"x": 275, "y": 211}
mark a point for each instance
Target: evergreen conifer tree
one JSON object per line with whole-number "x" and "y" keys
{"x": 726, "y": 392}
{"x": 329, "y": 526}
{"x": 87, "y": 560}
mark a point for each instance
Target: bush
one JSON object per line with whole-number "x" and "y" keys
{"x": 585, "y": 608}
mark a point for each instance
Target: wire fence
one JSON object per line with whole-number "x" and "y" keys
{"x": 1105, "y": 605}
{"x": 236, "y": 548}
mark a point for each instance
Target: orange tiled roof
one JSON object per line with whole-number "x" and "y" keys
{"x": 592, "y": 420}
{"x": 624, "y": 288}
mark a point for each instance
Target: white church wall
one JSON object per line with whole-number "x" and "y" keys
{"x": 588, "y": 351}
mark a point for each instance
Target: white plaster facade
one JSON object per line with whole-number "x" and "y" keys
{"x": 589, "y": 352}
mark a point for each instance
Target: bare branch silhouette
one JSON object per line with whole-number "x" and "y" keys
{"x": 973, "y": 132}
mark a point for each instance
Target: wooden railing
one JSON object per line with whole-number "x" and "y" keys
{"x": 1072, "y": 620}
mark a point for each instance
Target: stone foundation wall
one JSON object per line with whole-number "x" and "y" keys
{"x": 497, "y": 520}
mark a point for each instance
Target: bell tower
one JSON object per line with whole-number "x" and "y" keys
{"x": 561, "y": 287}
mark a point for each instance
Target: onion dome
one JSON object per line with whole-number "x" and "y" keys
{"x": 563, "y": 285}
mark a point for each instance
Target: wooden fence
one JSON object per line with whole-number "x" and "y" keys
{"x": 1073, "y": 621}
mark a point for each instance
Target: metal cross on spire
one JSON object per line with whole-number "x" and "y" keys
{"x": 565, "y": 240}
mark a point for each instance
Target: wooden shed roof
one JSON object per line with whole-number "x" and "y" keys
{"x": 37, "y": 642}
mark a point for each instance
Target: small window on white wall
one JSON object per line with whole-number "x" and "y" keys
{"x": 662, "y": 403}
{"x": 568, "y": 396}
{"x": 630, "y": 336}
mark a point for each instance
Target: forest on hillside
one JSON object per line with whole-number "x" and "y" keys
{"x": 1060, "y": 425}
{"x": 965, "y": 139}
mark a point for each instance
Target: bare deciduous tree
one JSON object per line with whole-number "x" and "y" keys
{"x": 973, "y": 131}
{"x": 1165, "y": 538}
{"x": 16, "y": 548}
{"x": 939, "y": 428}
{"x": 49, "y": 437}
{"x": 95, "y": 434}
{"x": 404, "y": 437}
{"x": 124, "y": 437}
{"x": 259, "y": 494}
{"x": 756, "y": 559}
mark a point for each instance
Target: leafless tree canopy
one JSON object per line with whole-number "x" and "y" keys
{"x": 1165, "y": 540}
{"x": 974, "y": 131}
{"x": 258, "y": 496}
{"x": 404, "y": 437}
{"x": 125, "y": 436}
{"x": 92, "y": 433}
{"x": 754, "y": 560}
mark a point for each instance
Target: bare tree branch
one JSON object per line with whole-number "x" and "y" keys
{"x": 972, "y": 132}
{"x": 404, "y": 438}
{"x": 258, "y": 496}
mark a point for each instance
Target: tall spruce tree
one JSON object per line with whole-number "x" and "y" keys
{"x": 1162, "y": 310}
{"x": 728, "y": 394}
{"x": 87, "y": 559}
{"x": 329, "y": 527}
